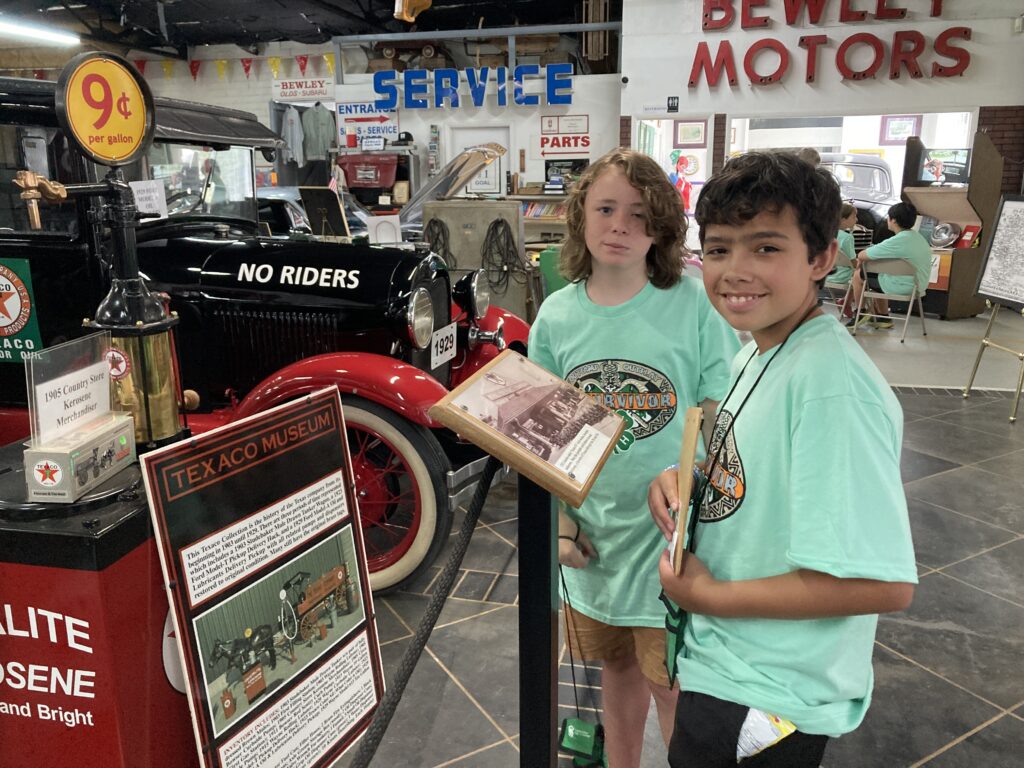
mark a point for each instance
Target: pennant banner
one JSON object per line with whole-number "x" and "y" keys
{"x": 222, "y": 67}
{"x": 168, "y": 68}
{"x": 246, "y": 67}
{"x": 303, "y": 60}
{"x": 329, "y": 61}
{"x": 140, "y": 64}
{"x": 275, "y": 65}
{"x": 193, "y": 67}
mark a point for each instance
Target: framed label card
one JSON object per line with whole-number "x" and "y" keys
{"x": 690, "y": 133}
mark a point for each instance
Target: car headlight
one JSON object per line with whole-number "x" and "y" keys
{"x": 420, "y": 318}
{"x": 472, "y": 294}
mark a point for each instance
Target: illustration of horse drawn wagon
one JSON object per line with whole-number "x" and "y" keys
{"x": 305, "y": 602}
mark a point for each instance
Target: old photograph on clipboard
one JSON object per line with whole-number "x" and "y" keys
{"x": 540, "y": 425}
{"x": 688, "y": 453}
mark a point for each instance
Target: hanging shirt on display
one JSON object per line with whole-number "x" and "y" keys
{"x": 320, "y": 132}
{"x": 292, "y": 133}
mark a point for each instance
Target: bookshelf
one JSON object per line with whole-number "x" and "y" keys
{"x": 542, "y": 215}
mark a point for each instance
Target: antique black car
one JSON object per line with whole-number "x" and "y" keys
{"x": 866, "y": 182}
{"x": 262, "y": 319}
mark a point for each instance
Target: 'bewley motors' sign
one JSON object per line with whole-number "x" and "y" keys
{"x": 860, "y": 55}
{"x": 439, "y": 88}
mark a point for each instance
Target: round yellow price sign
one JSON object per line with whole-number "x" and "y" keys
{"x": 106, "y": 107}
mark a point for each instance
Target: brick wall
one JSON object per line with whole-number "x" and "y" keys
{"x": 1005, "y": 126}
{"x": 625, "y": 131}
{"x": 719, "y": 145}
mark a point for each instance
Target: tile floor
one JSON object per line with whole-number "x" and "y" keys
{"x": 949, "y": 680}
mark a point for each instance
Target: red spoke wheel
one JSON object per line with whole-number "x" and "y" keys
{"x": 307, "y": 626}
{"x": 400, "y": 473}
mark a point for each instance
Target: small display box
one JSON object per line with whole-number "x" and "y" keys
{"x": 64, "y": 469}
{"x": 78, "y": 441}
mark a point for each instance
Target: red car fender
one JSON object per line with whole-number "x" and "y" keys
{"x": 13, "y": 425}
{"x": 398, "y": 386}
{"x": 515, "y": 332}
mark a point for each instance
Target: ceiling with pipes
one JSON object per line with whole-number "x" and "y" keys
{"x": 171, "y": 27}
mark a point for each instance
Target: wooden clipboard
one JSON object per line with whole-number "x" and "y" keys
{"x": 692, "y": 421}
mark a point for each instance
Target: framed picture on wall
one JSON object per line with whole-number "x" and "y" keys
{"x": 690, "y": 133}
{"x": 896, "y": 129}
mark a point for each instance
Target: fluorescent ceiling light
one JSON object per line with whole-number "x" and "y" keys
{"x": 38, "y": 34}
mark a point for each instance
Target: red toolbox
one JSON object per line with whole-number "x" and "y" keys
{"x": 369, "y": 170}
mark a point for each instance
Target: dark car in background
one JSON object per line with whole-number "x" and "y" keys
{"x": 867, "y": 182}
{"x": 283, "y": 210}
{"x": 284, "y": 213}
{"x": 263, "y": 319}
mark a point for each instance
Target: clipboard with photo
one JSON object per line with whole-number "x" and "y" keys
{"x": 537, "y": 423}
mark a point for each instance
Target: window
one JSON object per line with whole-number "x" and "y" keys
{"x": 200, "y": 180}
{"x": 45, "y": 152}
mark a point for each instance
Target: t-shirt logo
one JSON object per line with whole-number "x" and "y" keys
{"x": 643, "y": 395}
{"x": 727, "y": 485}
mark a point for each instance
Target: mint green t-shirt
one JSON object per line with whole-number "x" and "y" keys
{"x": 910, "y": 246}
{"x": 649, "y": 358}
{"x": 843, "y": 274}
{"x": 809, "y": 479}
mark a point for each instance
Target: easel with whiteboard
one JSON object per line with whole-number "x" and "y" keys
{"x": 1001, "y": 282}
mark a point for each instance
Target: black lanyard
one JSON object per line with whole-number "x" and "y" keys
{"x": 698, "y": 499}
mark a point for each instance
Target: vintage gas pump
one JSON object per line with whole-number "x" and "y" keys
{"x": 139, "y": 324}
{"x": 90, "y": 673}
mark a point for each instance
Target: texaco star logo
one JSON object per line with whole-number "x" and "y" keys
{"x": 48, "y": 473}
{"x": 15, "y": 304}
{"x": 119, "y": 363}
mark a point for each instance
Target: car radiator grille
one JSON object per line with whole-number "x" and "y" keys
{"x": 254, "y": 344}
{"x": 861, "y": 239}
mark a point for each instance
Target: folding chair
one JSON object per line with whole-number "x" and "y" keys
{"x": 891, "y": 267}
{"x": 842, "y": 260}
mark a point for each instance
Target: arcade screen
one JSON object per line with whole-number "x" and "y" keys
{"x": 945, "y": 166}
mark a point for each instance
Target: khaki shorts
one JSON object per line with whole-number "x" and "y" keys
{"x": 594, "y": 640}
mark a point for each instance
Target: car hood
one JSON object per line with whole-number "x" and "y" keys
{"x": 450, "y": 180}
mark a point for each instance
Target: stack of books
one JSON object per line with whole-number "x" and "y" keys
{"x": 554, "y": 186}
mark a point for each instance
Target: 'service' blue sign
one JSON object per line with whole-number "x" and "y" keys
{"x": 439, "y": 88}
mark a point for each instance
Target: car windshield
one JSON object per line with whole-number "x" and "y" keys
{"x": 45, "y": 152}
{"x": 198, "y": 180}
{"x": 853, "y": 176}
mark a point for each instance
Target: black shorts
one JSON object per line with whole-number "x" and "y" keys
{"x": 873, "y": 284}
{"x": 707, "y": 730}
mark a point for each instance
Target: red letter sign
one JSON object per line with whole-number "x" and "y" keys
{"x": 702, "y": 61}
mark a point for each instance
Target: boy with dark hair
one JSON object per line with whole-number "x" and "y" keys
{"x": 905, "y": 244}
{"x": 631, "y": 327}
{"x": 795, "y": 550}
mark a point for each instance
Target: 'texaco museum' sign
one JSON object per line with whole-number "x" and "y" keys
{"x": 908, "y": 50}
{"x": 439, "y": 88}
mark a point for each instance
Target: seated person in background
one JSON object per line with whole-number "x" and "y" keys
{"x": 847, "y": 221}
{"x": 905, "y": 244}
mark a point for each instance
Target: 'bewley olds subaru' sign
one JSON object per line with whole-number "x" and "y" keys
{"x": 305, "y": 89}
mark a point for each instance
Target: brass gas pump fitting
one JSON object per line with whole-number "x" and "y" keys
{"x": 36, "y": 188}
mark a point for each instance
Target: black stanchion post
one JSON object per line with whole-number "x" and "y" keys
{"x": 538, "y": 628}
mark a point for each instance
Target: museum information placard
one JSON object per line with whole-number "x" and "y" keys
{"x": 259, "y": 541}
